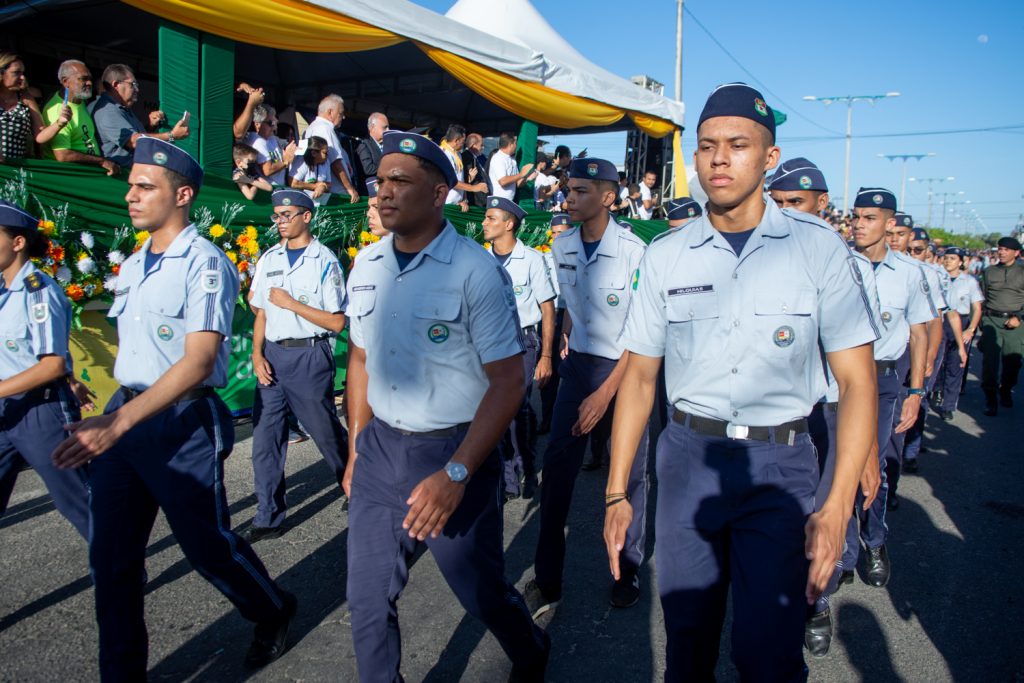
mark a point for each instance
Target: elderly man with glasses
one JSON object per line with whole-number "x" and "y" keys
{"x": 117, "y": 126}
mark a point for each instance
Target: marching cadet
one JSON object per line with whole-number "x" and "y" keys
{"x": 737, "y": 304}
{"x": 372, "y": 217}
{"x": 682, "y": 210}
{"x": 905, "y": 311}
{"x": 162, "y": 440}
{"x": 434, "y": 379}
{"x": 559, "y": 224}
{"x": 535, "y": 303}
{"x": 920, "y": 249}
{"x": 1002, "y": 338}
{"x": 800, "y": 186}
{"x": 298, "y": 296}
{"x": 35, "y": 399}
{"x": 596, "y": 266}
{"x": 965, "y": 298}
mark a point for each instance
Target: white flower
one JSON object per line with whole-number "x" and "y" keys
{"x": 110, "y": 284}
{"x": 64, "y": 274}
{"x": 226, "y": 245}
{"x": 88, "y": 240}
{"x": 115, "y": 257}
{"x": 86, "y": 265}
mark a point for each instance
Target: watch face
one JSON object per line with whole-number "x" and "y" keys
{"x": 456, "y": 471}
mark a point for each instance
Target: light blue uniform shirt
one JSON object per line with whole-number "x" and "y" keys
{"x": 964, "y": 291}
{"x": 35, "y": 321}
{"x": 193, "y": 287}
{"x": 936, "y": 287}
{"x": 597, "y": 291}
{"x": 314, "y": 280}
{"x": 867, "y": 274}
{"x": 904, "y": 296}
{"x": 740, "y": 335}
{"x": 549, "y": 261}
{"x": 531, "y": 283}
{"x": 429, "y": 330}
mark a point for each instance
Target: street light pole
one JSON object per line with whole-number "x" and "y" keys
{"x": 903, "y": 175}
{"x": 679, "y": 50}
{"x": 849, "y": 100}
{"x": 944, "y": 204}
{"x": 930, "y": 195}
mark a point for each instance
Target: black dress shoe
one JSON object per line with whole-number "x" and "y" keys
{"x": 892, "y": 502}
{"x": 255, "y": 534}
{"x": 910, "y": 466}
{"x": 947, "y": 415}
{"x": 845, "y": 577}
{"x": 878, "y": 566}
{"x": 529, "y": 486}
{"x": 818, "y": 633}
{"x": 271, "y": 637}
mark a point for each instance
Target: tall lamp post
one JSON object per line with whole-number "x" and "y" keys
{"x": 849, "y": 100}
{"x": 903, "y": 175}
{"x": 946, "y": 204}
{"x": 930, "y": 181}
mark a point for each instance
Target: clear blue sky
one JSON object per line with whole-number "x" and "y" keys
{"x": 957, "y": 65}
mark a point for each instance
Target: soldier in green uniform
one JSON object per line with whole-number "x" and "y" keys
{"x": 1002, "y": 336}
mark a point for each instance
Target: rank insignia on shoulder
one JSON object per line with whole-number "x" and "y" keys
{"x": 33, "y": 282}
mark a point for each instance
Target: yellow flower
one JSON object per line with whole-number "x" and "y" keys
{"x": 365, "y": 237}
{"x": 251, "y": 232}
{"x": 47, "y": 228}
{"x": 487, "y": 246}
{"x": 374, "y": 238}
{"x": 351, "y": 251}
{"x": 141, "y": 237}
{"x": 233, "y": 256}
{"x": 217, "y": 230}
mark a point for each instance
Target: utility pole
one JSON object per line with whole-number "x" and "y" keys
{"x": 679, "y": 50}
{"x": 930, "y": 181}
{"x": 849, "y": 100}
{"x": 903, "y": 174}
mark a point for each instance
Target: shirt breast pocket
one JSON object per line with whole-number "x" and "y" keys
{"x": 566, "y": 276}
{"x": 784, "y": 322}
{"x": 438, "y": 322}
{"x": 521, "y": 288}
{"x": 361, "y": 303}
{"x": 892, "y": 306}
{"x": 692, "y": 319}
{"x": 167, "y": 314}
{"x": 306, "y": 290}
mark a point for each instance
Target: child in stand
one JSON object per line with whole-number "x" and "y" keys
{"x": 247, "y": 174}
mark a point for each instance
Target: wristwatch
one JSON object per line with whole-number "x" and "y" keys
{"x": 915, "y": 392}
{"x": 456, "y": 471}
{"x": 170, "y": 137}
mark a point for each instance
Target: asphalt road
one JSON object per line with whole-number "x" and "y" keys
{"x": 952, "y": 611}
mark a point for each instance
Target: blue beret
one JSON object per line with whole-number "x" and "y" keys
{"x": 396, "y": 142}
{"x": 738, "y": 99}
{"x": 683, "y": 207}
{"x": 593, "y": 169}
{"x": 955, "y": 251}
{"x": 559, "y": 219}
{"x": 16, "y": 218}
{"x": 156, "y": 152}
{"x": 875, "y": 197}
{"x": 919, "y": 234}
{"x": 506, "y": 205}
{"x": 292, "y": 198}
{"x": 371, "y": 187}
{"x": 1008, "y": 243}
{"x": 798, "y": 174}
{"x": 904, "y": 219}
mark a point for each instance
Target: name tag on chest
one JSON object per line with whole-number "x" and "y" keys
{"x": 696, "y": 289}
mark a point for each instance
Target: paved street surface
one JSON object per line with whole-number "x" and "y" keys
{"x": 952, "y": 612}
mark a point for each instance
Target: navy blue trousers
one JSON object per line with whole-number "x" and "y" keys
{"x": 174, "y": 461}
{"x": 912, "y": 445}
{"x": 822, "y": 425}
{"x": 30, "y": 430}
{"x": 303, "y": 382}
{"x": 517, "y": 444}
{"x": 582, "y": 374}
{"x": 549, "y": 392}
{"x": 469, "y": 552}
{"x": 733, "y": 512}
{"x": 869, "y": 525}
{"x": 951, "y": 375}
{"x": 893, "y": 462}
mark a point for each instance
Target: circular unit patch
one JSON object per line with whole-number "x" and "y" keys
{"x": 438, "y": 333}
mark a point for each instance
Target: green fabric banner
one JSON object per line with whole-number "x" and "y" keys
{"x": 526, "y": 154}
{"x": 215, "y": 117}
{"x": 180, "y": 78}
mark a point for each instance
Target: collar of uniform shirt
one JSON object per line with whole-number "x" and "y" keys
{"x": 771, "y": 225}
{"x": 608, "y": 246}
{"x": 180, "y": 244}
{"x": 440, "y": 248}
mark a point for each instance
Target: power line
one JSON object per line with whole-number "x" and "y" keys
{"x": 1013, "y": 128}
{"x": 754, "y": 78}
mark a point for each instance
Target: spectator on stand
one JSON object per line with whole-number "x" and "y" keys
{"x": 247, "y": 173}
{"x": 312, "y": 171}
{"x": 273, "y": 161}
{"x": 451, "y": 145}
{"x": 648, "y": 196}
{"x": 369, "y": 149}
{"x": 117, "y": 126}
{"x": 76, "y": 142}
{"x": 244, "y": 121}
{"x": 544, "y": 186}
{"x": 506, "y": 176}
{"x": 473, "y": 157}
{"x": 20, "y": 118}
{"x": 329, "y": 116}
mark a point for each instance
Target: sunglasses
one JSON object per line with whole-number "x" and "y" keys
{"x": 918, "y": 250}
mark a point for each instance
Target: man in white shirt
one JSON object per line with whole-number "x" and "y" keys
{"x": 273, "y": 161}
{"x": 544, "y": 185}
{"x": 505, "y": 173}
{"x": 452, "y": 145}
{"x": 646, "y": 195}
{"x": 329, "y": 116}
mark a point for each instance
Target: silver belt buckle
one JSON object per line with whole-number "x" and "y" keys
{"x": 735, "y": 431}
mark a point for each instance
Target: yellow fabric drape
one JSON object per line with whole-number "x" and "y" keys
{"x": 532, "y": 101}
{"x": 682, "y": 186}
{"x": 653, "y": 126}
{"x": 281, "y": 24}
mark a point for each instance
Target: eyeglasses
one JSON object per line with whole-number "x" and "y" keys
{"x": 282, "y": 217}
{"x": 918, "y": 250}
{"x": 134, "y": 85}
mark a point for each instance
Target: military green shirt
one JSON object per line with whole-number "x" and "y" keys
{"x": 1004, "y": 287}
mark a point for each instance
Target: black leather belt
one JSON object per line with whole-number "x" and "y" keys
{"x": 531, "y": 328}
{"x": 711, "y": 427}
{"x": 434, "y": 433}
{"x": 1001, "y": 314}
{"x": 190, "y": 395}
{"x": 885, "y": 366}
{"x": 47, "y": 392}
{"x": 292, "y": 343}
{"x": 830, "y": 406}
